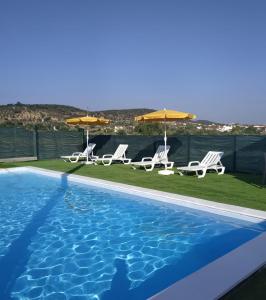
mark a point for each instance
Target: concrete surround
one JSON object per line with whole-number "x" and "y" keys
{"x": 218, "y": 277}
{"x": 18, "y": 159}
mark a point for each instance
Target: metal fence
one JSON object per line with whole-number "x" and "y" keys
{"x": 241, "y": 153}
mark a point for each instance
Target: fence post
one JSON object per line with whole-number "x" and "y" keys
{"x": 234, "y": 152}
{"x": 15, "y": 142}
{"x": 34, "y": 142}
{"x": 57, "y": 137}
{"x": 188, "y": 148}
{"x": 37, "y": 144}
{"x": 84, "y": 139}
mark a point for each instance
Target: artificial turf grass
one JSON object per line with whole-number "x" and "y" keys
{"x": 237, "y": 189}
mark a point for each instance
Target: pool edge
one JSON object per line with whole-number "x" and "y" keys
{"x": 220, "y": 276}
{"x": 211, "y": 281}
{"x": 173, "y": 198}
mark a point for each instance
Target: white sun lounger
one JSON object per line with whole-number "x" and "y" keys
{"x": 76, "y": 156}
{"x": 119, "y": 155}
{"x": 159, "y": 158}
{"x": 211, "y": 161}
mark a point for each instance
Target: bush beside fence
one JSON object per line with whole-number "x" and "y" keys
{"x": 241, "y": 153}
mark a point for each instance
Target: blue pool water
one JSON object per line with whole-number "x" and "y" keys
{"x": 64, "y": 240}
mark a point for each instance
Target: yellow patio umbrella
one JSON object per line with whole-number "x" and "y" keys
{"x": 87, "y": 121}
{"x": 164, "y": 116}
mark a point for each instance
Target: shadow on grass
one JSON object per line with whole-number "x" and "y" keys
{"x": 76, "y": 168}
{"x": 254, "y": 180}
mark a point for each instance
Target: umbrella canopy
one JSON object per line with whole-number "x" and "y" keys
{"x": 165, "y": 115}
{"x": 87, "y": 121}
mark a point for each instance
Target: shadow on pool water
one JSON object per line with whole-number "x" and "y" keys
{"x": 14, "y": 263}
{"x": 164, "y": 277}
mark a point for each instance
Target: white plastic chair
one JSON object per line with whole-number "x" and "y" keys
{"x": 76, "y": 156}
{"x": 160, "y": 158}
{"x": 119, "y": 155}
{"x": 211, "y": 161}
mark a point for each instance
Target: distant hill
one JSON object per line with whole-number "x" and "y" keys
{"x": 121, "y": 116}
{"x": 205, "y": 122}
{"x": 52, "y": 117}
{"x": 48, "y": 116}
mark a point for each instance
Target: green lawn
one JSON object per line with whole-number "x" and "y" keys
{"x": 238, "y": 189}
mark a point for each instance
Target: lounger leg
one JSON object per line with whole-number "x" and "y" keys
{"x": 149, "y": 169}
{"x": 169, "y": 165}
{"x": 180, "y": 173}
{"x": 203, "y": 173}
{"x": 126, "y": 161}
{"x": 74, "y": 160}
{"x": 107, "y": 162}
{"x": 221, "y": 172}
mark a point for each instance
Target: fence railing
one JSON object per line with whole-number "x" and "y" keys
{"x": 241, "y": 153}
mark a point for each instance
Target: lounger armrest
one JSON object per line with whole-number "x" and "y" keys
{"x": 193, "y": 163}
{"x": 146, "y": 159}
{"x": 107, "y": 155}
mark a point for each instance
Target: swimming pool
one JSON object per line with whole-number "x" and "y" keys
{"x": 61, "y": 239}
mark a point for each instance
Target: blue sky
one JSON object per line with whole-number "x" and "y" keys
{"x": 204, "y": 56}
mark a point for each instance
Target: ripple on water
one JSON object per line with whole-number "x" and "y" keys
{"x": 73, "y": 254}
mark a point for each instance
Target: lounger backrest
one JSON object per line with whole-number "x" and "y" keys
{"x": 160, "y": 154}
{"x": 89, "y": 149}
{"x": 212, "y": 158}
{"x": 120, "y": 151}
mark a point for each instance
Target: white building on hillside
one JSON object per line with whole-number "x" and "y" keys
{"x": 225, "y": 128}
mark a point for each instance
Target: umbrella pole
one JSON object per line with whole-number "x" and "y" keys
{"x": 87, "y": 145}
{"x": 165, "y": 171}
{"x": 165, "y": 141}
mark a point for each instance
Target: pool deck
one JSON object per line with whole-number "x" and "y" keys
{"x": 213, "y": 280}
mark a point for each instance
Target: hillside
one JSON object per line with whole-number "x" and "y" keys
{"x": 52, "y": 117}
{"x": 48, "y": 116}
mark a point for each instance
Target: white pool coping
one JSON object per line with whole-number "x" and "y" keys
{"x": 218, "y": 277}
